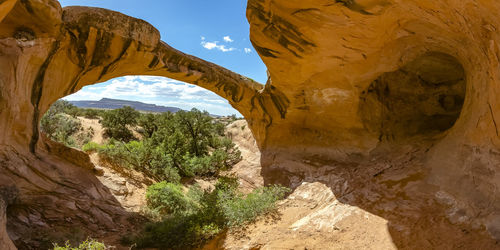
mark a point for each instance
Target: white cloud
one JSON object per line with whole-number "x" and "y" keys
{"x": 247, "y": 50}
{"x": 214, "y": 45}
{"x": 157, "y": 90}
{"x": 209, "y": 45}
{"x": 228, "y": 39}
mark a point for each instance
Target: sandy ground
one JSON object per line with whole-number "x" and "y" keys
{"x": 312, "y": 218}
{"x": 93, "y": 124}
{"x": 309, "y": 218}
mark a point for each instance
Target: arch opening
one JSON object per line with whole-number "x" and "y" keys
{"x": 74, "y": 120}
{"x": 423, "y": 98}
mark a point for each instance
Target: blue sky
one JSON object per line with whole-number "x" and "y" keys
{"x": 216, "y": 31}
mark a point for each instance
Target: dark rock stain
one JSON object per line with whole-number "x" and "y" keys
{"x": 281, "y": 31}
{"x": 265, "y": 51}
{"x": 36, "y": 94}
{"x": 126, "y": 46}
{"x": 352, "y": 5}
{"x": 28, "y": 6}
{"x": 304, "y": 10}
{"x": 154, "y": 62}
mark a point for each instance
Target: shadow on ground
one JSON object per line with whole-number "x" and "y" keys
{"x": 392, "y": 184}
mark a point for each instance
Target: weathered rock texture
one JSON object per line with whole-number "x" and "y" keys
{"x": 394, "y": 104}
{"x": 7, "y": 195}
{"x": 391, "y": 104}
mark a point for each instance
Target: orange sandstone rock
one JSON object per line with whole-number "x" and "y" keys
{"x": 391, "y": 104}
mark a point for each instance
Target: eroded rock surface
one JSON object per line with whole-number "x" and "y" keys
{"x": 399, "y": 99}
{"x": 7, "y": 196}
{"x": 393, "y": 105}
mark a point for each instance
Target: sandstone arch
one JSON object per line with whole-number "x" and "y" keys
{"x": 321, "y": 56}
{"x": 48, "y": 53}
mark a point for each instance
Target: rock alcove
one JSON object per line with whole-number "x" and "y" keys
{"x": 424, "y": 98}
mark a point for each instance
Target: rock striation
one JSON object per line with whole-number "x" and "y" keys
{"x": 399, "y": 99}
{"x": 391, "y": 104}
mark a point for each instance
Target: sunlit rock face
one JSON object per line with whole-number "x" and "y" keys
{"x": 399, "y": 98}
{"x": 47, "y": 52}
{"x": 391, "y": 104}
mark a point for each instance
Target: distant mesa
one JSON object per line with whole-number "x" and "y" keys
{"x": 108, "y": 103}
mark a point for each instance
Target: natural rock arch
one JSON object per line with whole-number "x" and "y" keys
{"x": 321, "y": 56}
{"x": 48, "y": 53}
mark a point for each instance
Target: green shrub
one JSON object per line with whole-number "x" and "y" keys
{"x": 60, "y": 127}
{"x": 91, "y": 147}
{"x": 242, "y": 209}
{"x": 176, "y": 232}
{"x": 88, "y": 244}
{"x": 191, "y": 218}
{"x": 141, "y": 156}
{"x": 169, "y": 198}
{"x": 115, "y": 123}
{"x": 90, "y": 113}
{"x": 184, "y": 144}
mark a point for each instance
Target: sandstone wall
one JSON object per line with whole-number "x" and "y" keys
{"x": 381, "y": 79}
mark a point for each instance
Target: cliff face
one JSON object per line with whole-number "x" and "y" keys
{"x": 391, "y": 104}
{"x": 397, "y": 98}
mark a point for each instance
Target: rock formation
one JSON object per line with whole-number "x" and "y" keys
{"x": 391, "y": 104}
{"x": 399, "y": 98}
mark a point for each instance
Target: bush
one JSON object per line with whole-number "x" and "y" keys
{"x": 169, "y": 198}
{"x": 176, "y": 232}
{"x": 88, "y": 244}
{"x": 191, "y": 218}
{"x": 91, "y": 113}
{"x": 184, "y": 144}
{"x": 242, "y": 209}
{"x": 141, "y": 156}
{"x": 60, "y": 127}
{"x": 115, "y": 123}
{"x": 92, "y": 147}
{"x": 60, "y": 124}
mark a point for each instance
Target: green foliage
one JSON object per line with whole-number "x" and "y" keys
{"x": 88, "y": 244}
{"x": 115, "y": 123}
{"x": 169, "y": 198}
{"x": 139, "y": 155}
{"x": 149, "y": 124}
{"x": 59, "y": 126}
{"x": 62, "y": 106}
{"x": 193, "y": 217}
{"x": 91, "y": 147}
{"x": 184, "y": 144}
{"x": 91, "y": 113}
{"x": 242, "y": 209}
{"x": 198, "y": 128}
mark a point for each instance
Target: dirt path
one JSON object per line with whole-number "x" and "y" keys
{"x": 93, "y": 124}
